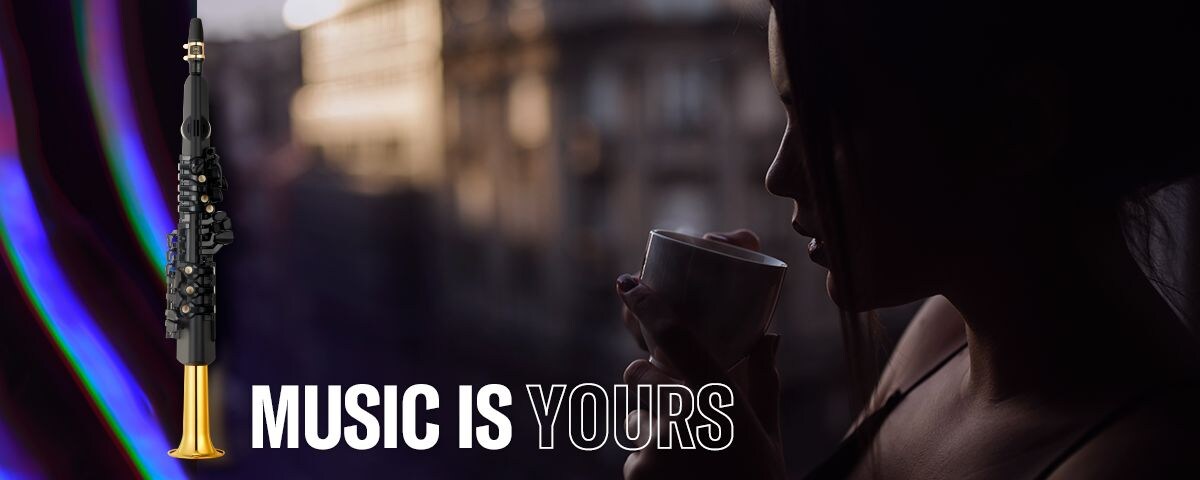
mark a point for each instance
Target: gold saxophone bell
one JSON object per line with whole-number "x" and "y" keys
{"x": 196, "y": 443}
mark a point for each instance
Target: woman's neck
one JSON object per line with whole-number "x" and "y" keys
{"x": 1068, "y": 314}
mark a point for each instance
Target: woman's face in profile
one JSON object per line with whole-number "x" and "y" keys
{"x": 909, "y": 217}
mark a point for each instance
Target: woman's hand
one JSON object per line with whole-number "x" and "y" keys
{"x": 756, "y": 450}
{"x": 739, "y": 238}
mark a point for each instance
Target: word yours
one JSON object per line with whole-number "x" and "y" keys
{"x": 675, "y": 416}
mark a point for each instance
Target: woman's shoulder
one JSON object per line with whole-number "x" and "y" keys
{"x": 934, "y": 333}
{"x": 1157, "y": 439}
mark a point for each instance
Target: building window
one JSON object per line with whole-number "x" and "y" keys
{"x": 469, "y": 11}
{"x": 604, "y": 99}
{"x": 529, "y": 110}
{"x": 683, "y": 94}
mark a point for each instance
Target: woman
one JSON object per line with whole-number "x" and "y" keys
{"x": 994, "y": 157}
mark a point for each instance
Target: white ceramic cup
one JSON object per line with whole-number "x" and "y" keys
{"x": 725, "y": 294}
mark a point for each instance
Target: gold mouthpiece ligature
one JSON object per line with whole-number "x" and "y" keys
{"x": 195, "y": 51}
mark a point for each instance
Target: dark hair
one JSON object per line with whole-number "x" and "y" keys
{"x": 1126, "y": 93}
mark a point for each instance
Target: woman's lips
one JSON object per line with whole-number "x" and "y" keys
{"x": 816, "y": 248}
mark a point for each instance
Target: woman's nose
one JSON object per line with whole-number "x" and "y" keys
{"x": 785, "y": 177}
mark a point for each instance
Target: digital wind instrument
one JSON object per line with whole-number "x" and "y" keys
{"x": 191, "y": 314}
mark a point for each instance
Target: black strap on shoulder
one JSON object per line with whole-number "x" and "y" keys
{"x": 854, "y": 447}
{"x": 1123, "y": 409}
{"x": 1107, "y": 420}
{"x": 937, "y": 367}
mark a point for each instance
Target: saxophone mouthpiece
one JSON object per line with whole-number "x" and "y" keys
{"x": 196, "y": 30}
{"x": 195, "y": 43}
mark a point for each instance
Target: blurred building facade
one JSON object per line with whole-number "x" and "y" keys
{"x": 371, "y": 96}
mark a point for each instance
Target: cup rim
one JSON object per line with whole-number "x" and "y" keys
{"x": 719, "y": 248}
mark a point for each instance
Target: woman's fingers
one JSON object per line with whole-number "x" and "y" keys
{"x": 627, "y": 317}
{"x": 637, "y": 466}
{"x": 640, "y": 463}
{"x": 642, "y": 372}
{"x": 755, "y": 406}
{"x": 650, "y": 462}
{"x": 637, "y": 426}
{"x": 631, "y": 324}
{"x": 741, "y": 237}
{"x": 674, "y": 342}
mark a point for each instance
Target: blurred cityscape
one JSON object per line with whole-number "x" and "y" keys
{"x": 444, "y": 191}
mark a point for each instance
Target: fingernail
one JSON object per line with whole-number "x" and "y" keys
{"x": 626, "y": 282}
{"x": 717, "y": 236}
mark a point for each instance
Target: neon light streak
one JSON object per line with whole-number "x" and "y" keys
{"x": 27, "y": 251}
{"x": 14, "y": 461}
{"x": 102, "y": 59}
